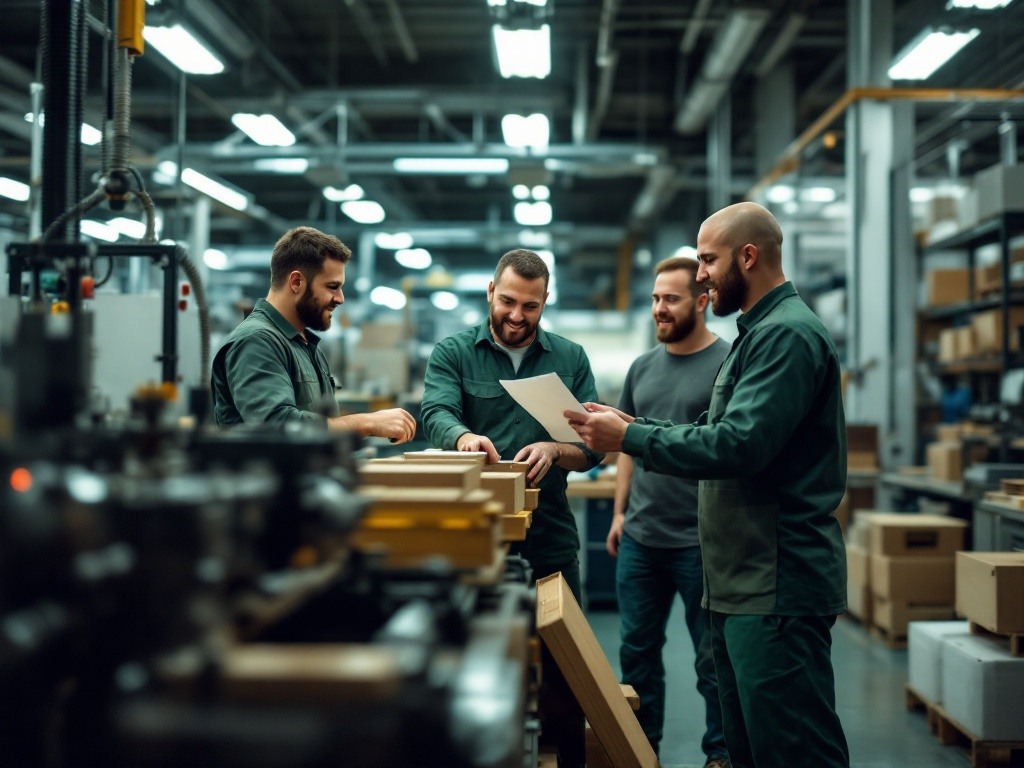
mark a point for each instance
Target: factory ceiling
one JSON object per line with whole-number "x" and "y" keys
{"x": 632, "y": 89}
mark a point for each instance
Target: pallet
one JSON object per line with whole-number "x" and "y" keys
{"x": 1016, "y": 641}
{"x": 915, "y": 700}
{"x": 983, "y": 753}
{"x": 895, "y": 642}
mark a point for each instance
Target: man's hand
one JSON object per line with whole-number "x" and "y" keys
{"x": 394, "y": 423}
{"x": 601, "y": 428}
{"x": 471, "y": 442}
{"x": 615, "y": 534}
{"x": 541, "y": 457}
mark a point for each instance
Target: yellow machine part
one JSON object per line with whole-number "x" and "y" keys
{"x": 131, "y": 17}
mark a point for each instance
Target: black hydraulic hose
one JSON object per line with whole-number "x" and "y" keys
{"x": 76, "y": 108}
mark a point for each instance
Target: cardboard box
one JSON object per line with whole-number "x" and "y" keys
{"x": 405, "y": 475}
{"x": 565, "y": 631}
{"x": 1000, "y": 190}
{"x": 862, "y": 439}
{"x": 990, "y": 590}
{"x": 921, "y": 580}
{"x": 913, "y": 534}
{"x": 947, "y": 345}
{"x": 963, "y": 340}
{"x": 924, "y": 655}
{"x": 949, "y": 433}
{"x": 988, "y": 329}
{"x": 967, "y": 209}
{"x": 860, "y": 603}
{"x": 947, "y": 286}
{"x": 858, "y": 566}
{"x": 895, "y": 616}
{"x": 983, "y": 688}
{"x": 509, "y": 488}
{"x": 945, "y": 461}
{"x": 381, "y": 335}
{"x": 596, "y": 756}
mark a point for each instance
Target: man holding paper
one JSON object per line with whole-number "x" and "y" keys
{"x": 466, "y": 408}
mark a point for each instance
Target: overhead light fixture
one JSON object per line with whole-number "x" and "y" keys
{"x": 523, "y": 52}
{"x": 89, "y": 135}
{"x": 363, "y": 211}
{"x": 980, "y": 5}
{"x": 444, "y": 300}
{"x": 387, "y": 297}
{"x": 521, "y": 192}
{"x": 526, "y": 130}
{"x": 489, "y": 165}
{"x": 128, "y": 227}
{"x": 530, "y": 238}
{"x": 15, "y": 190}
{"x": 780, "y": 193}
{"x": 264, "y": 129}
{"x": 414, "y": 258}
{"x": 818, "y": 195}
{"x": 921, "y": 195}
{"x": 291, "y": 165}
{"x": 393, "y": 241}
{"x": 471, "y": 317}
{"x": 927, "y": 52}
{"x": 215, "y": 259}
{"x": 351, "y": 192}
{"x": 686, "y": 252}
{"x": 219, "y": 191}
{"x": 183, "y": 50}
{"x": 541, "y": 192}
{"x": 532, "y": 214}
{"x": 98, "y": 231}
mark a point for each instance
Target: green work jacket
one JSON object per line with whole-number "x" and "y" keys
{"x": 265, "y": 373}
{"x": 462, "y": 394}
{"x": 770, "y": 455}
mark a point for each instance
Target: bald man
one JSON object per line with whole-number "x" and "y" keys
{"x": 770, "y": 454}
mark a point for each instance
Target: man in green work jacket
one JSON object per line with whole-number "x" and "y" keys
{"x": 271, "y": 370}
{"x": 770, "y": 455}
{"x": 466, "y": 408}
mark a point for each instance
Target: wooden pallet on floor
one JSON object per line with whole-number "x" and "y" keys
{"x": 915, "y": 700}
{"x": 895, "y": 642}
{"x": 1015, "y": 640}
{"x": 983, "y": 753}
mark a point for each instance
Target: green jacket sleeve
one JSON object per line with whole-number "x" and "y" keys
{"x": 441, "y": 411}
{"x": 585, "y": 390}
{"x": 781, "y": 373}
{"x": 257, "y": 372}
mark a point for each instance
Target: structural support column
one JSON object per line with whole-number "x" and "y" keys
{"x": 720, "y": 156}
{"x": 881, "y": 259}
{"x": 775, "y": 109}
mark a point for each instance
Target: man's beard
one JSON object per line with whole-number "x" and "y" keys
{"x": 730, "y": 292}
{"x": 510, "y": 337}
{"x": 679, "y": 329}
{"x": 311, "y": 314}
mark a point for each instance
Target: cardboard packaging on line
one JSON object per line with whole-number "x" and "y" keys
{"x": 921, "y": 580}
{"x": 509, "y": 488}
{"x": 983, "y": 688}
{"x": 945, "y": 461}
{"x": 915, "y": 534}
{"x": 924, "y": 655}
{"x": 894, "y": 616}
{"x": 403, "y": 475}
{"x": 990, "y": 590}
{"x": 565, "y": 631}
{"x": 947, "y": 286}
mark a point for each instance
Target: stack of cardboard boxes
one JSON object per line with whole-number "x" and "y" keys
{"x": 948, "y": 456}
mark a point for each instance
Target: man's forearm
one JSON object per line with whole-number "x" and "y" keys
{"x": 572, "y": 457}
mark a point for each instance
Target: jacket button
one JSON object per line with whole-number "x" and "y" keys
{"x": 518, "y": 421}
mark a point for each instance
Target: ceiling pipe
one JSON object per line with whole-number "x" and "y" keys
{"x": 689, "y": 41}
{"x": 402, "y": 32}
{"x": 368, "y": 29}
{"x": 607, "y": 61}
{"x": 783, "y": 42}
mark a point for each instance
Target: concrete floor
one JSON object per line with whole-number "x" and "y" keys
{"x": 870, "y": 681}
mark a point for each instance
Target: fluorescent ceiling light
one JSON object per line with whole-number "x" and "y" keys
{"x": 521, "y": 192}
{"x": 529, "y": 238}
{"x": 451, "y": 164}
{"x": 218, "y": 191}
{"x": 414, "y": 258}
{"x": 981, "y": 5}
{"x": 387, "y": 297}
{"x": 532, "y": 214}
{"x": 921, "y": 195}
{"x": 351, "y": 192}
{"x": 791, "y": 207}
{"x": 363, "y": 211}
{"x": 444, "y": 300}
{"x": 98, "y": 231}
{"x": 780, "y": 193}
{"x": 15, "y": 190}
{"x": 129, "y": 227}
{"x": 523, "y": 52}
{"x": 818, "y": 195}
{"x": 264, "y": 129}
{"x": 393, "y": 241}
{"x": 471, "y": 317}
{"x": 294, "y": 165}
{"x": 541, "y": 192}
{"x": 526, "y": 130}
{"x": 215, "y": 259}
{"x": 183, "y": 50}
{"x": 687, "y": 252}
{"x": 927, "y": 52}
{"x": 89, "y": 135}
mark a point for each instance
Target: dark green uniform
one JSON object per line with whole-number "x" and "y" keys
{"x": 771, "y": 458}
{"x": 265, "y": 372}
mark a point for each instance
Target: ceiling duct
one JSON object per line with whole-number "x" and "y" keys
{"x": 728, "y": 51}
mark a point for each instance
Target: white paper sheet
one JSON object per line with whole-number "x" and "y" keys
{"x": 545, "y": 398}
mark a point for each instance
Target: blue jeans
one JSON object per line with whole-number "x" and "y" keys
{"x": 647, "y": 579}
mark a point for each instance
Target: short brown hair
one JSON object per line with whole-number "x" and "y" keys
{"x": 525, "y": 264}
{"x": 673, "y": 263}
{"x": 304, "y": 249}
